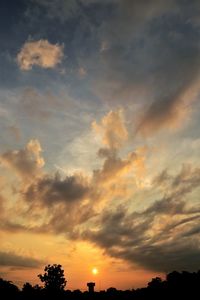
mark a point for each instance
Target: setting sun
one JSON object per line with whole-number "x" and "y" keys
{"x": 95, "y": 271}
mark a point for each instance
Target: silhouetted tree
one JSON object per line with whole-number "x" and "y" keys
{"x": 178, "y": 285}
{"x": 53, "y": 278}
{"x": 27, "y": 287}
{"x": 8, "y": 289}
{"x": 37, "y": 287}
{"x": 155, "y": 283}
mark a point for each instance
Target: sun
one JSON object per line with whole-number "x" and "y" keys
{"x": 95, "y": 271}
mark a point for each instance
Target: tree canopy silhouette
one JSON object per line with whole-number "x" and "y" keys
{"x": 53, "y": 278}
{"x": 177, "y": 285}
{"x": 8, "y": 286}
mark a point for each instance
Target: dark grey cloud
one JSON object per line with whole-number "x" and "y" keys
{"x": 10, "y": 259}
{"x": 67, "y": 220}
{"x": 53, "y": 189}
{"x": 163, "y": 237}
{"x": 64, "y": 203}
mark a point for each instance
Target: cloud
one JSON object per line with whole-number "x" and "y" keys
{"x": 40, "y": 106}
{"x": 63, "y": 11}
{"x": 53, "y": 189}
{"x": 27, "y": 162}
{"x": 40, "y": 53}
{"x": 11, "y": 226}
{"x": 112, "y": 129}
{"x": 115, "y": 167}
{"x": 162, "y": 237}
{"x": 63, "y": 202}
{"x": 77, "y": 197}
{"x": 171, "y": 111}
{"x": 10, "y": 259}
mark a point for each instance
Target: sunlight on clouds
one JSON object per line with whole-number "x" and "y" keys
{"x": 113, "y": 130}
{"x": 40, "y": 53}
{"x": 27, "y": 162}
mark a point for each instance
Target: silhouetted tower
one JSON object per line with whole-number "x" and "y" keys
{"x": 91, "y": 286}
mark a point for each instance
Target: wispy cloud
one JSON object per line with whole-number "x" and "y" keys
{"x": 154, "y": 238}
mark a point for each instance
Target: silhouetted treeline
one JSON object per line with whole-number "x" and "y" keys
{"x": 177, "y": 285}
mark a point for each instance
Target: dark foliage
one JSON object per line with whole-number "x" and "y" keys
{"x": 178, "y": 285}
{"x": 53, "y": 278}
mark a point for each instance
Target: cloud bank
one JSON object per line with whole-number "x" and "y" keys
{"x": 100, "y": 208}
{"x": 163, "y": 237}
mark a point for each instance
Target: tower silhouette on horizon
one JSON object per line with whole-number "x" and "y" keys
{"x": 91, "y": 286}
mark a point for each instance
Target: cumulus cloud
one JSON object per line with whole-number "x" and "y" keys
{"x": 63, "y": 202}
{"x": 112, "y": 128}
{"x": 62, "y": 10}
{"x": 114, "y": 134}
{"x": 26, "y": 162}
{"x": 11, "y": 259}
{"x": 40, "y": 53}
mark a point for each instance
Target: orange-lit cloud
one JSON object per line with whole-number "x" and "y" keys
{"x": 40, "y": 53}
{"x": 113, "y": 129}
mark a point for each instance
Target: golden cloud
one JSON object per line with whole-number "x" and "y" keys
{"x": 112, "y": 129}
{"x": 40, "y": 53}
{"x": 27, "y": 162}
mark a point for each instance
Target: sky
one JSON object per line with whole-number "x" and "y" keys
{"x": 99, "y": 139}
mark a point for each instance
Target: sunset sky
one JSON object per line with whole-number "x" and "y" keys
{"x": 99, "y": 139}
